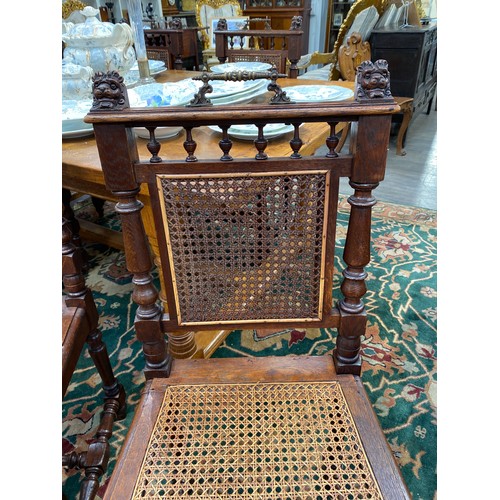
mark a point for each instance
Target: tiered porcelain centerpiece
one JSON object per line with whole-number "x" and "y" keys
{"x": 102, "y": 46}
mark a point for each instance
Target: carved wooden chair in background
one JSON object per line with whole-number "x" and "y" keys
{"x": 80, "y": 326}
{"x": 247, "y": 243}
{"x": 206, "y": 12}
{"x": 166, "y": 45}
{"x": 281, "y": 48}
{"x": 350, "y": 57}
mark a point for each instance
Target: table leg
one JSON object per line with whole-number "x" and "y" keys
{"x": 407, "y": 110}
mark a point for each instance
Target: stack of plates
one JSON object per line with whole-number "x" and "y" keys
{"x": 73, "y": 112}
{"x": 240, "y": 66}
{"x": 250, "y": 132}
{"x": 318, "y": 93}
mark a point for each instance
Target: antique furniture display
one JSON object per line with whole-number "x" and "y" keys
{"x": 350, "y": 56}
{"x": 249, "y": 241}
{"x": 173, "y": 45}
{"x": 81, "y": 172}
{"x": 412, "y": 56}
{"x": 281, "y": 48}
{"x": 281, "y": 13}
{"x": 208, "y": 12}
{"x": 329, "y": 59}
{"x": 80, "y": 327}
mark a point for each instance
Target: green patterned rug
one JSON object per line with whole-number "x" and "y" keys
{"x": 399, "y": 351}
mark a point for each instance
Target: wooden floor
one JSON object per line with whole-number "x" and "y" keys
{"x": 412, "y": 179}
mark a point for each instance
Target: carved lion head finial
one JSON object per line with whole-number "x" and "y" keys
{"x": 296, "y": 23}
{"x": 175, "y": 24}
{"x": 109, "y": 91}
{"x": 222, "y": 25}
{"x": 372, "y": 81}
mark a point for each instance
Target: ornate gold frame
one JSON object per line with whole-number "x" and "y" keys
{"x": 215, "y": 4}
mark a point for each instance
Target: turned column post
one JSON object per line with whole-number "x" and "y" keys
{"x": 368, "y": 146}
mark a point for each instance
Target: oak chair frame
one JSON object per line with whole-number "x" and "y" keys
{"x": 124, "y": 171}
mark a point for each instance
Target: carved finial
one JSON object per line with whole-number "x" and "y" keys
{"x": 296, "y": 23}
{"x": 372, "y": 82}
{"x": 222, "y": 25}
{"x": 109, "y": 92}
{"x": 175, "y": 24}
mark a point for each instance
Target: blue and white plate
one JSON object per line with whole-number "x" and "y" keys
{"x": 240, "y": 66}
{"x": 73, "y": 111}
{"x": 318, "y": 93}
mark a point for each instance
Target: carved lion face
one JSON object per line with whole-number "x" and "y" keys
{"x": 108, "y": 90}
{"x": 374, "y": 78}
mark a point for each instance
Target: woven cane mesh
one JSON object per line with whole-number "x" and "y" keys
{"x": 248, "y": 441}
{"x": 246, "y": 248}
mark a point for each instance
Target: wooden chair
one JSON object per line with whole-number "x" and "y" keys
{"x": 281, "y": 48}
{"x": 350, "y": 57}
{"x": 247, "y": 243}
{"x": 206, "y": 12}
{"x": 329, "y": 60}
{"x": 80, "y": 326}
{"x": 165, "y": 45}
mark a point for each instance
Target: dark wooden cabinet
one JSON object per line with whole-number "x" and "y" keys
{"x": 280, "y": 12}
{"x": 411, "y": 54}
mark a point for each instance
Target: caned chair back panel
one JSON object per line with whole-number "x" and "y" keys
{"x": 245, "y": 242}
{"x": 248, "y": 247}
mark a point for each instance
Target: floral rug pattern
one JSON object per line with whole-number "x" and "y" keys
{"x": 399, "y": 350}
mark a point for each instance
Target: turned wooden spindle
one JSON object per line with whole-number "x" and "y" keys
{"x": 190, "y": 145}
{"x": 260, "y": 143}
{"x": 153, "y": 146}
{"x": 225, "y": 144}
{"x": 332, "y": 141}
{"x": 296, "y": 143}
{"x": 356, "y": 256}
{"x": 145, "y": 295}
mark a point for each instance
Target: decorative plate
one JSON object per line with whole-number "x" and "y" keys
{"x": 318, "y": 93}
{"x": 240, "y": 66}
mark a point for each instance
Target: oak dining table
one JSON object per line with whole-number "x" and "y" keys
{"x": 82, "y": 173}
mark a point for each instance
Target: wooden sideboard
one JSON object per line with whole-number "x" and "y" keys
{"x": 411, "y": 54}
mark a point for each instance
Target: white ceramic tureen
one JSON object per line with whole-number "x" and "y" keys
{"x": 100, "y": 45}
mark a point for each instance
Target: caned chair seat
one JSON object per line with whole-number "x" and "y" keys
{"x": 271, "y": 428}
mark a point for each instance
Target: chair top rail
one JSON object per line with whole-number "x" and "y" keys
{"x": 372, "y": 96}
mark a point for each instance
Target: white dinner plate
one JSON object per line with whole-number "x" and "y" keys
{"x": 76, "y": 134}
{"x": 318, "y": 93}
{"x": 242, "y": 97}
{"x": 240, "y": 66}
{"x": 250, "y": 132}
